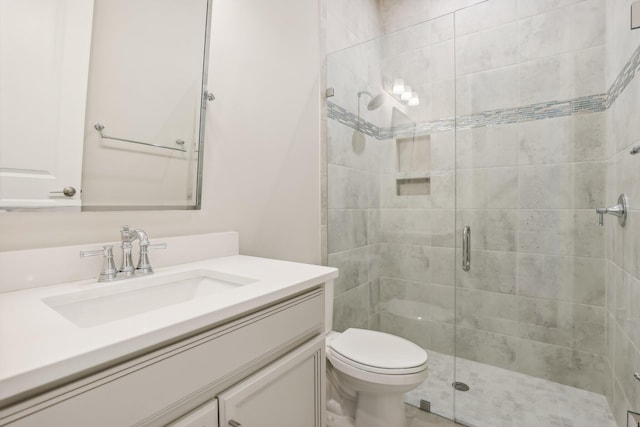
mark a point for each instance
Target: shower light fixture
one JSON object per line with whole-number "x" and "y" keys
{"x": 398, "y": 87}
{"x": 406, "y": 95}
{"x": 414, "y": 100}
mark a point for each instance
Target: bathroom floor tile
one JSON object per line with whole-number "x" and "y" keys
{"x": 501, "y": 398}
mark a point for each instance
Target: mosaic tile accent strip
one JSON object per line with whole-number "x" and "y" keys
{"x": 540, "y": 111}
{"x": 544, "y": 110}
{"x": 624, "y": 78}
{"x": 343, "y": 116}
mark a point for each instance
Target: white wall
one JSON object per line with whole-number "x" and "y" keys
{"x": 266, "y": 124}
{"x": 261, "y": 175}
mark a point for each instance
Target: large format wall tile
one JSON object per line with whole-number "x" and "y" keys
{"x": 351, "y": 188}
{"x": 621, "y": 43}
{"x": 626, "y": 310}
{"x": 626, "y": 127}
{"x": 565, "y": 76}
{"x": 354, "y": 268}
{"x": 487, "y": 347}
{"x": 487, "y": 90}
{"x": 442, "y": 266}
{"x": 443, "y": 150}
{"x": 562, "y": 186}
{"x": 408, "y": 40}
{"x": 347, "y": 229}
{"x": 487, "y": 147}
{"x": 352, "y": 22}
{"x": 443, "y": 185}
{"x": 581, "y": 327}
{"x": 411, "y": 328}
{"x": 487, "y": 311}
{"x": 408, "y": 262}
{"x": 572, "y": 279}
{"x": 577, "y": 26}
{"x": 443, "y": 227}
{"x": 627, "y": 176}
{"x": 485, "y": 15}
{"x": 560, "y": 232}
{"x": 417, "y": 300}
{"x": 487, "y": 50}
{"x": 442, "y": 66}
{"x": 563, "y": 139}
{"x": 436, "y": 336}
{"x": 351, "y": 309}
{"x": 491, "y": 271}
{"x": 490, "y": 188}
{"x": 627, "y": 360}
{"x": 411, "y": 226}
{"x": 534, "y": 7}
{"x": 563, "y": 365}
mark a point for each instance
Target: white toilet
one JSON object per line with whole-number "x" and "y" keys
{"x": 368, "y": 372}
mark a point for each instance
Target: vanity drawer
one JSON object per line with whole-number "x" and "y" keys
{"x": 172, "y": 381}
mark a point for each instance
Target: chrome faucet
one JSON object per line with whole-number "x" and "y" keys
{"x": 144, "y": 267}
{"x": 127, "y": 237}
{"x": 619, "y": 210}
{"x": 109, "y": 271}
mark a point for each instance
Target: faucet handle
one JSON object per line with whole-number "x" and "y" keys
{"x": 109, "y": 271}
{"x": 601, "y": 212}
{"x": 620, "y": 210}
{"x": 144, "y": 267}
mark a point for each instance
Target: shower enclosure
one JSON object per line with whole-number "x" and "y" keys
{"x": 461, "y": 208}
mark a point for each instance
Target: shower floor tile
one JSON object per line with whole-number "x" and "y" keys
{"x": 503, "y": 398}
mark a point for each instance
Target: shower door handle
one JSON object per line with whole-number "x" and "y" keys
{"x": 466, "y": 248}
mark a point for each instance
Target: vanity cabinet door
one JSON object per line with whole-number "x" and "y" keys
{"x": 204, "y": 416}
{"x": 287, "y": 393}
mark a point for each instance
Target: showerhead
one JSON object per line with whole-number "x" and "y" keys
{"x": 375, "y": 102}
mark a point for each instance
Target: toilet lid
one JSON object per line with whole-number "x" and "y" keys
{"x": 379, "y": 351}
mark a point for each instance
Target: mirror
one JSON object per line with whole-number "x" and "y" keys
{"x": 102, "y": 103}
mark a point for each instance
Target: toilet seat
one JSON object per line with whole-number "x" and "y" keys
{"x": 370, "y": 371}
{"x": 377, "y": 352}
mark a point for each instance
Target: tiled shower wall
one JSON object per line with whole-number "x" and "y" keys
{"x": 535, "y": 299}
{"x": 623, "y": 244}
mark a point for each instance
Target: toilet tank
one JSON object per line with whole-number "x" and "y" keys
{"x": 328, "y": 306}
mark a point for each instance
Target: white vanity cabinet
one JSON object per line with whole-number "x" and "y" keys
{"x": 285, "y": 394}
{"x": 262, "y": 368}
{"x": 204, "y": 416}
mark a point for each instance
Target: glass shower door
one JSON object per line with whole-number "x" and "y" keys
{"x": 390, "y": 194}
{"x": 530, "y": 318}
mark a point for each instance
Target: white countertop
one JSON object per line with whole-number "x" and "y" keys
{"x": 39, "y": 346}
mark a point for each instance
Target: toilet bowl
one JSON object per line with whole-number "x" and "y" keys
{"x": 368, "y": 372}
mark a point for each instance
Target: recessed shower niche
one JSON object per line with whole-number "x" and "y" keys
{"x": 413, "y": 174}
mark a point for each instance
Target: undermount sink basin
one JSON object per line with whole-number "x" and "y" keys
{"x": 130, "y": 297}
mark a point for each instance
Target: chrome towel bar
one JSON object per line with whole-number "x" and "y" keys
{"x": 179, "y": 142}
